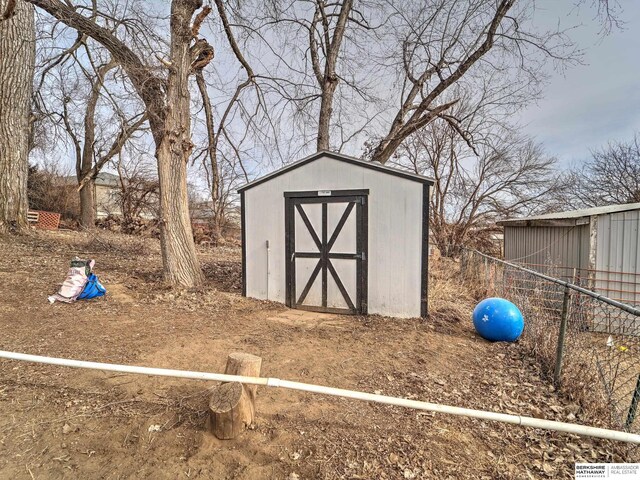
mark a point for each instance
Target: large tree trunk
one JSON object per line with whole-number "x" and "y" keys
{"x": 213, "y": 156}
{"x": 326, "y": 109}
{"x": 181, "y": 264}
{"x": 87, "y": 205}
{"x": 87, "y": 197}
{"x": 85, "y": 163}
{"x": 17, "y": 57}
{"x": 329, "y": 79}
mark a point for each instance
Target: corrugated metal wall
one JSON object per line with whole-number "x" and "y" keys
{"x": 552, "y": 246}
{"x": 616, "y": 273}
{"x": 618, "y": 256}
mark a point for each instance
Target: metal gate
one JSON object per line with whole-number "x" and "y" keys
{"x": 326, "y": 250}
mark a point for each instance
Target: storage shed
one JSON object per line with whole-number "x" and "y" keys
{"x": 602, "y": 244}
{"x": 333, "y": 233}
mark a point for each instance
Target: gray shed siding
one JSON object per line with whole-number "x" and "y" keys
{"x": 555, "y": 246}
{"x": 395, "y": 233}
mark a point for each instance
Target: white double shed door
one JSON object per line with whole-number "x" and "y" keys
{"x": 326, "y": 237}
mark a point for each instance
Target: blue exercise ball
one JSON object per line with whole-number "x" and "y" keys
{"x": 498, "y": 320}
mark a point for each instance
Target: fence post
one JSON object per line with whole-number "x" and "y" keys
{"x": 634, "y": 406}
{"x": 561, "y": 336}
{"x": 486, "y": 271}
{"x": 463, "y": 264}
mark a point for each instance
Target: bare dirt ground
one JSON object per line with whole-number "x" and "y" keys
{"x": 62, "y": 423}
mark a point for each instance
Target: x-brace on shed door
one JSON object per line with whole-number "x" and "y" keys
{"x": 326, "y": 250}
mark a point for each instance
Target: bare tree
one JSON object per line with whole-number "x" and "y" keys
{"x": 227, "y": 206}
{"x": 17, "y": 60}
{"x": 324, "y": 38}
{"x": 218, "y": 172}
{"x": 507, "y": 176}
{"x": 84, "y": 153}
{"x": 82, "y": 101}
{"x": 609, "y": 13}
{"x": 610, "y": 177}
{"x": 446, "y": 48}
{"x": 49, "y": 191}
{"x": 139, "y": 189}
{"x": 318, "y": 76}
{"x": 167, "y": 102}
{"x": 403, "y": 64}
{"x": 93, "y": 145}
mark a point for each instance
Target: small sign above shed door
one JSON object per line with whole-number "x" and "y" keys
{"x": 326, "y": 252}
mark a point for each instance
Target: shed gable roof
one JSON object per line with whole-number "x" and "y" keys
{"x": 343, "y": 158}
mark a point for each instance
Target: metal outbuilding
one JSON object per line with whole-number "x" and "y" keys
{"x": 334, "y": 233}
{"x": 602, "y": 244}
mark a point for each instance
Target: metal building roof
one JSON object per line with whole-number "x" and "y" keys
{"x": 344, "y": 158}
{"x": 569, "y": 218}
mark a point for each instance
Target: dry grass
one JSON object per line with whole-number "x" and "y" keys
{"x": 61, "y": 423}
{"x": 593, "y": 376}
{"x": 449, "y": 299}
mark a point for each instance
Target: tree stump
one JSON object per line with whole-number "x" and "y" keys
{"x": 231, "y": 410}
{"x": 232, "y": 405}
{"x": 247, "y": 365}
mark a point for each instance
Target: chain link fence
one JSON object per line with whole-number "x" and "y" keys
{"x": 588, "y": 344}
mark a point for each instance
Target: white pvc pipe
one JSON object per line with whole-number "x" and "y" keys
{"x": 339, "y": 392}
{"x": 111, "y": 367}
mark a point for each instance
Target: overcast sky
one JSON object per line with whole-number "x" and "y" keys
{"x": 588, "y": 105}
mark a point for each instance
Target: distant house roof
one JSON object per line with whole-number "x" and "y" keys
{"x": 105, "y": 179}
{"x": 344, "y": 158}
{"x": 569, "y": 218}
